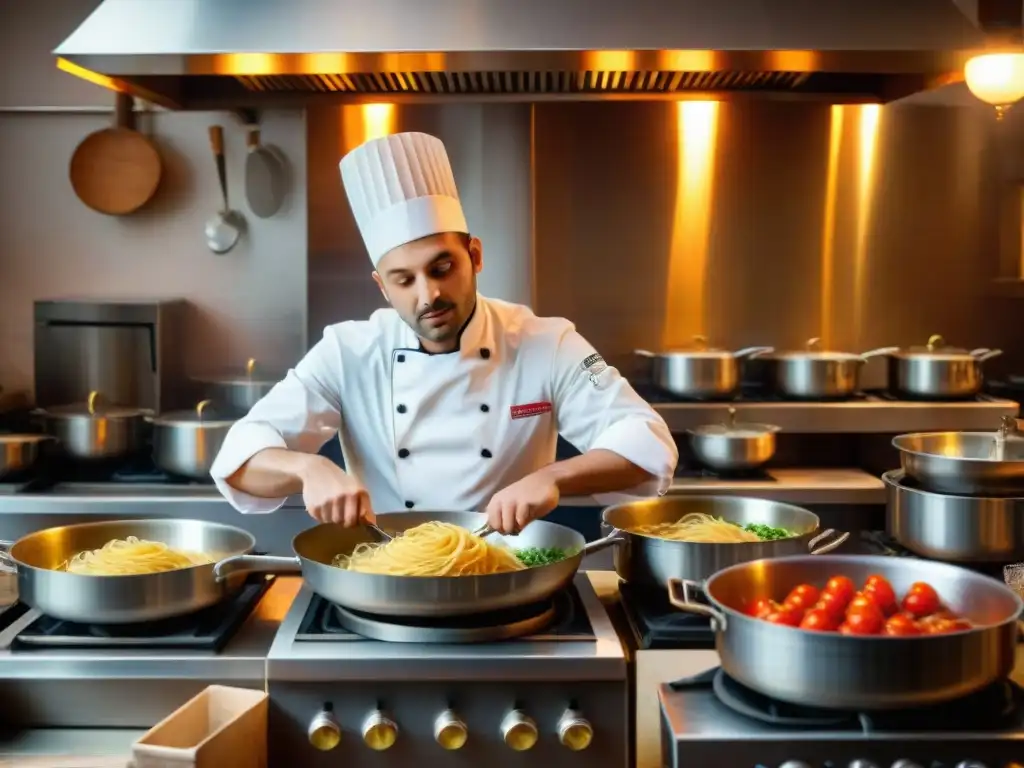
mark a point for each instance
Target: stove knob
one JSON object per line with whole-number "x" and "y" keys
{"x": 449, "y": 731}
{"x": 574, "y": 730}
{"x": 971, "y": 764}
{"x": 324, "y": 732}
{"x": 519, "y": 731}
{"x": 905, "y": 764}
{"x": 794, "y": 764}
{"x": 379, "y": 731}
{"x": 862, "y": 764}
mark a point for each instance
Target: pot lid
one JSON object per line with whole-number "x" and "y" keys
{"x": 937, "y": 349}
{"x": 733, "y": 428}
{"x": 251, "y": 374}
{"x": 700, "y": 349}
{"x": 95, "y": 407}
{"x": 813, "y": 351}
{"x": 15, "y": 438}
{"x": 203, "y": 415}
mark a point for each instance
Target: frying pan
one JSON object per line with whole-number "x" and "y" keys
{"x": 316, "y": 547}
{"x": 123, "y": 599}
{"x": 116, "y": 170}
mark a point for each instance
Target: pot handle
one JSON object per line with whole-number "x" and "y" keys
{"x": 613, "y": 539}
{"x": 679, "y": 596}
{"x": 255, "y": 564}
{"x": 750, "y": 352}
{"x": 7, "y": 565}
{"x": 826, "y": 547}
{"x": 983, "y": 354}
{"x": 644, "y": 353}
{"x": 879, "y": 352}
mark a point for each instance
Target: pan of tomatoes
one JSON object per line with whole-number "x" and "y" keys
{"x": 858, "y": 633}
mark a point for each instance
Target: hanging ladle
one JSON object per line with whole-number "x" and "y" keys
{"x": 224, "y": 228}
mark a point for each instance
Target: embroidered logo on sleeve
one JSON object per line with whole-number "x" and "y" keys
{"x": 594, "y": 365}
{"x": 527, "y": 410}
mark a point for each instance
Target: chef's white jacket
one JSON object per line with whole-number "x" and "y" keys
{"x": 448, "y": 431}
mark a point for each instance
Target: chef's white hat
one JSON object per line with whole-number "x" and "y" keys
{"x": 401, "y": 188}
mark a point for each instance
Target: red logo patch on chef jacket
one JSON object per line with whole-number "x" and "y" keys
{"x": 530, "y": 409}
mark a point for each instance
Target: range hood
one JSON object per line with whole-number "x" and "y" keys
{"x": 201, "y": 54}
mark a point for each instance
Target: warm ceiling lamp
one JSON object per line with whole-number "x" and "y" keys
{"x": 996, "y": 78}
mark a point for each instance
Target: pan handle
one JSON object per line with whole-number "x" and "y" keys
{"x": 613, "y": 539}
{"x": 751, "y": 352}
{"x": 879, "y": 352}
{"x": 255, "y": 564}
{"x": 826, "y": 547}
{"x": 981, "y": 355}
{"x": 679, "y": 596}
{"x": 7, "y": 565}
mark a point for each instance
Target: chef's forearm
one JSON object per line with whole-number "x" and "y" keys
{"x": 273, "y": 473}
{"x": 596, "y": 471}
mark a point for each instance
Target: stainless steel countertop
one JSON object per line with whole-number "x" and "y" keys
{"x": 244, "y": 658}
{"x": 600, "y": 659}
{"x": 871, "y": 415}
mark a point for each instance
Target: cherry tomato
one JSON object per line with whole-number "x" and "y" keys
{"x": 860, "y": 601}
{"x": 921, "y": 600}
{"x": 882, "y": 593}
{"x": 873, "y": 578}
{"x": 846, "y": 629}
{"x": 818, "y": 620}
{"x": 901, "y": 625}
{"x": 808, "y": 592}
{"x": 832, "y": 603}
{"x": 841, "y": 587}
{"x": 784, "y": 616}
{"x": 798, "y": 602}
{"x": 866, "y": 620}
{"x": 939, "y": 627}
{"x": 760, "y": 608}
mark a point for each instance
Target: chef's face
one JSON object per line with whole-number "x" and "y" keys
{"x": 431, "y": 283}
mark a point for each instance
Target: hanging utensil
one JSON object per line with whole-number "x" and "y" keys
{"x": 224, "y": 228}
{"x": 116, "y": 170}
{"x": 264, "y": 177}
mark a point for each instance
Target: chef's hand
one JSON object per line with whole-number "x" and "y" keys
{"x": 512, "y": 508}
{"x": 334, "y": 496}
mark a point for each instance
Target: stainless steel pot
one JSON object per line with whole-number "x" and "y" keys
{"x": 733, "y": 446}
{"x": 650, "y": 561}
{"x": 237, "y": 393}
{"x": 699, "y": 373}
{"x": 97, "y": 431}
{"x": 19, "y": 453}
{"x": 828, "y": 669}
{"x": 820, "y": 375}
{"x": 938, "y": 371}
{"x": 966, "y": 463}
{"x": 124, "y": 599}
{"x": 963, "y": 529}
{"x": 185, "y": 443}
{"x": 315, "y": 549}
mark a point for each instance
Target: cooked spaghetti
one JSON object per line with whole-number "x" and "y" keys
{"x": 132, "y": 556}
{"x": 707, "y": 529}
{"x": 431, "y": 549}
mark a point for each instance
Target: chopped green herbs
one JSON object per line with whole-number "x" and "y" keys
{"x": 531, "y": 557}
{"x": 767, "y": 532}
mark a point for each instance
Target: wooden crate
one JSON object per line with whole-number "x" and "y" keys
{"x": 222, "y": 727}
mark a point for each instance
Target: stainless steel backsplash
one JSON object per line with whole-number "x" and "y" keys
{"x": 759, "y": 222}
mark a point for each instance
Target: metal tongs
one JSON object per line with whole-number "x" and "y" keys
{"x": 483, "y": 531}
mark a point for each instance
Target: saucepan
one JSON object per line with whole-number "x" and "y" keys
{"x": 96, "y": 430}
{"x": 938, "y": 371}
{"x": 124, "y": 599}
{"x": 20, "y": 453}
{"x": 650, "y": 561}
{"x": 316, "y": 548}
{"x": 236, "y": 393}
{"x": 700, "y": 372}
{"x": 832, "y": 670}
{"x": 733, "y": 446}
{"x": 816, "y": 374}
{"x": 185, "y": 443}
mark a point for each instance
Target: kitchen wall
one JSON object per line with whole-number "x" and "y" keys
{"x": 750, "y": 222}
{"x": 248, "y": 303}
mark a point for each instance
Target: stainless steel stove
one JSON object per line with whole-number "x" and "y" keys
{"x": 444, "y": 694}
{"x": 711, "y": 721}
{"x": 58, "y": 674}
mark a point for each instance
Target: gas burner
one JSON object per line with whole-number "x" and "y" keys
{"x": 697, "y": 473}
{"x": 206, "y": 630}
{"x": 657, "y": 624}
{"x": 993, "y": 708}
{"x": 562, "y": 617}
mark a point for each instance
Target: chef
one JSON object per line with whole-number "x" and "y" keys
{"x": 446, "y": 400}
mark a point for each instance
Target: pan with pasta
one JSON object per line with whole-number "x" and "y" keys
{"x": 126, "y": 571}
{"x": 435, "y": 566}
{"x": 691, "y": 537}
